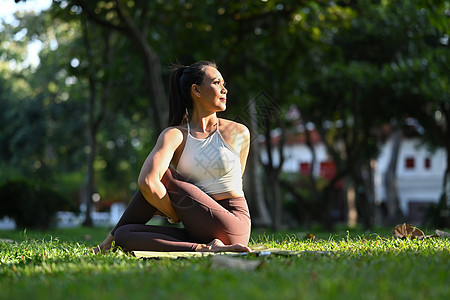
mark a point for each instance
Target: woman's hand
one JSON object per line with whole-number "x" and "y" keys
{"x": 169, "y": 219}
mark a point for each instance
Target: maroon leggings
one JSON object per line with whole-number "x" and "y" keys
{"x": 204, "y": 220}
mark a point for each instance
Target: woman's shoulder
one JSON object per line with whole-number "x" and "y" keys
{"x": 174, "y": 133}
{"x": 230, "y": 125}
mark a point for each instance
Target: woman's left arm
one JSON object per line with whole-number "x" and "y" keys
{"x": 245, "y": 147}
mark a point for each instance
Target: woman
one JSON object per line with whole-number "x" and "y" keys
{"x": 193, "y": 174}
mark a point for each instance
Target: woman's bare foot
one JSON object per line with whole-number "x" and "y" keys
{"x": 104, "y": 246}
{"x": 217, "y": 245}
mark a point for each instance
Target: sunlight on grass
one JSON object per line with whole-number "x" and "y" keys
{"x": 36, "y": 265}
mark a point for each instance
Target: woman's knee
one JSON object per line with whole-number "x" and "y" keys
{"x": 121, "y": 236}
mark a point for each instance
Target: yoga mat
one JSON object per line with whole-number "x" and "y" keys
{"x": 181, "y": 254}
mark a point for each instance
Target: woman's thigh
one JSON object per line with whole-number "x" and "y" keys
{"x": 203, "y": 217}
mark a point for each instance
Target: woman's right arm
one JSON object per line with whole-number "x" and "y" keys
{"x": 150, "y": 178}
{"x": 155, "y": 166}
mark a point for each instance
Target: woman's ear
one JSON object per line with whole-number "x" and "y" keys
{"x": 195, "y": 90}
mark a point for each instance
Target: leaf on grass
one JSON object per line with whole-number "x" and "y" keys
{"x": 407, "y": 230}
{"x": 258, "y": 247}
{"x": 7, "y": 241}
{"x": 310, "y": 236}
{"x": 441, "y": 233}
{"x": 226, "y": 262}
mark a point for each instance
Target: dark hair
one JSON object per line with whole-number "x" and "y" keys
{"x": 181, "y": 81}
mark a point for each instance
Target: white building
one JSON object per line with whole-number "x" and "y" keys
{"x": 420, "y": 175}
{"x": 419, "y": 171}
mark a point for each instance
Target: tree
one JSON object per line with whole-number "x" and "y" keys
{"x": 132, "y": 22}
{"x": 97, "y": 66}
{"x": 349, "y": 66}
{"x": 419, "y": 81}
{"x": 22, "y": 117}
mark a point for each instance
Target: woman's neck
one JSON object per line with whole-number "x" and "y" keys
{"x": 204, "y": 123}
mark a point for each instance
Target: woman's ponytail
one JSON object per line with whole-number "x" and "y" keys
{"x": 181, "y": 81}
{"x": 177, "y": 102}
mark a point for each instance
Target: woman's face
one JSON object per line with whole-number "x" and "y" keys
{"x": 212, "y": 92}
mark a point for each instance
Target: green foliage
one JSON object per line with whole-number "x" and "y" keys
{"x": 378, "y": 267}
{"x": 350, "y": 66}
{"x": 31, "y": 205}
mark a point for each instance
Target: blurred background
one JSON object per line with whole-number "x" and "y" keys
{"x": 347, "y": 102}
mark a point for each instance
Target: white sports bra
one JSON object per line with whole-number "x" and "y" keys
{"x": 211, "y": 164}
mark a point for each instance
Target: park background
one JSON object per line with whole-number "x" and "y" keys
{"x": 327, "y": 87}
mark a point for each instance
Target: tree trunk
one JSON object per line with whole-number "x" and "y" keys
{"x": 324, "y": 204}
{"x": 278, "y": 201}
{"x": 362, "y": 202}
{"x": 445, "y": 208}
{"x": 444, "y": 205}
{"x": 273, "y": 171}
{"x": 91, "y": 129}
{"x": 94, "y": 119}
{"x": 352, "y": 214}
{"x": 254, "y": 194}
{"x": 92, "y": 145}
{"x": 90, "y": 184}
{"x": 152, "y": 66}
{"x": 443, "y": 218}
{"x": 390, "y": 181}
{"x": 315, "y": 195}
{"x": 257, "y": 204}
{"x": 369, "y": 188}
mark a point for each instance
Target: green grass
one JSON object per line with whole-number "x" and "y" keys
{"x": 360, "y": 266}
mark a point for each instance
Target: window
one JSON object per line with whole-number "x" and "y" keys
{"x": 427, "y": 163}
{"x": 305, "y": 168}
{"x": 409, "y": 163}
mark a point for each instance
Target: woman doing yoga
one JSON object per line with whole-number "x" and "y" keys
{"x": 193, "y": 174}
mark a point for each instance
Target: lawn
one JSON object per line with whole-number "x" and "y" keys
{"x": 342, "y": 265}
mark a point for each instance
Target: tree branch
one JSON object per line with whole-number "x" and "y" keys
{"x": 95, "y": 18}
